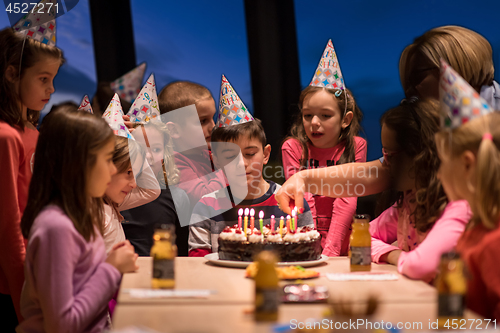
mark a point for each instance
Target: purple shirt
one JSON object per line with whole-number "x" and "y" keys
{"x": 68, "y": 284}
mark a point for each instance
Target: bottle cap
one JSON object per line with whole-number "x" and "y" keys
{"x": 361, "y": 217}
{"x": 450, "y": 255}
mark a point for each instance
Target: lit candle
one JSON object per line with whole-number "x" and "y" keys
{"x": 261, "y": 222}
{"x": 293, "y": 219}
{"x": 240, "y": 212}
{"x": 245, "y": 219}
{"x": 252, "y": 220}
{"x": 282, "y": 222}
{"x": 288, "y": 223}
{"x": 273, "y": 222}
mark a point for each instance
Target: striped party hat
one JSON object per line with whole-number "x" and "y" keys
{"x": 85, "y": 105}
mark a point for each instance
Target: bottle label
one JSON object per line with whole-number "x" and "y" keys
{"x": 266, "y": 300}
{"x": 361, "y": 255}
{"x": 451, "y": 305}
{"x": 163, "y": 269}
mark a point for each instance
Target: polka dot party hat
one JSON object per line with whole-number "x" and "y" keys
{"x": 459, "y": 101}
{"x": 232, "y": 111}
{"x": 39, "y": 23}
{"x": 328, "y": 73}
{"x": 114, "y": 117}
{"x": 145, "y": 106}
{"x": 85, "y": 105}
{"x": 129, "y": 85}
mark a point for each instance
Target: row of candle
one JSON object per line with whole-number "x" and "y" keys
{"x": 291, "y": 221}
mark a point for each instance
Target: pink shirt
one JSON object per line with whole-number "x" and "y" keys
{"x": 17, "y": 150}
{"x": 68, "y": 284}
{"x": 421, "y": 251}
{"x": 332, "y": 216}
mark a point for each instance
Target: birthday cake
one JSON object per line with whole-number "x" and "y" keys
{"x": 301, "y": 244}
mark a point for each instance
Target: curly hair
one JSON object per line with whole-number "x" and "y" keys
{"x": 347, "y": 134}
{"x": 415, "y": 124}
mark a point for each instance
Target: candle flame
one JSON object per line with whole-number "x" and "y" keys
{"x": 282, "y": 218}
{"x": 272, "y": 216}
{"x": 240, "y": 211}
{"x": 261, "y": 215}
{"x": 252, "y": 212}
{"x": 288, "y": 217}
{"x": 246, "y": 211}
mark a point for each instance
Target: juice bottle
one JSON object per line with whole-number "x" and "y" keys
{"x": 164, "y": 252}
{"x": 451, "y": 285}
{"x": 266, "y": 288}
{"x": 361, "y": 244}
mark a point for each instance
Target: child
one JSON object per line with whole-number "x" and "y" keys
{"x": 470, "y": 170}
{"x": 69, "y": 280}
{"x": 26, "y": 86}
{"x": 140, "y": 222}
{"x": 422, "y": 221}
{"x": 123, "y": 192}
{"x": 244, "y": 173}
{"x": 195, "y": 166}
{"x": 325, "y": 135}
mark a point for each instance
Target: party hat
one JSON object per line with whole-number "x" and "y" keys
{"x": 459, "y": 101}
{"x": 328, "y": 73}
{"x": 85, "y": 105}
{"x": 232, "y": 111}
{"x": 114, "y": 117}
{"x": 129, "y": 85}
{"x": 145, "y": 106}
{"x": 39, "y": 23}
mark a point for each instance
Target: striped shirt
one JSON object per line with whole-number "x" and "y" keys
{"x": 215, "y": 211}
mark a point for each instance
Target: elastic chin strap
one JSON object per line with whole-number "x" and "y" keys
{"x": 22, "y": 50}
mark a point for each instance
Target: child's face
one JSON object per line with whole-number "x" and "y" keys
{"x": 400, "y": 164}
{"x": 121, "y": 184}
{"x": 247, "y": 170}
{"x": 36, "y": 84}
{"x": 103, "y": 170}
{"x": 206, "y": 112}
{"x": 156, "y": 150}
{"x": 322, "y": 119}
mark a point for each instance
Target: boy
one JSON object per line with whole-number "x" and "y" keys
{"x": 236, "y": 132}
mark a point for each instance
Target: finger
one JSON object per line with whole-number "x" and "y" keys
{"x": 118, "y": 245}
{"x": 283, "y": 200}
{"x": 299, "y": 200}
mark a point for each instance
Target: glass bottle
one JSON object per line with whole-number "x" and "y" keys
{"x": 266, "y": 288}
{"x": 164, "y": 252}
{"x": 361, "y": 244}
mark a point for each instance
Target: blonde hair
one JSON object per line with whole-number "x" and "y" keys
{"x": 181, "y": 93}
{"x": 469, "y": 137}
{"x": 466, "y": 51}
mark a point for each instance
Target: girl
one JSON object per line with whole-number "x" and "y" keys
{"x": 421, "y": 221}
{"x": 140, "y": 222}
{"x": 470, "y": 170}
{"x": 123, "y": 192}
{"x": 25, "y": 87}
{"x": 69, "y": 280}
{"x": 468, "y": 52}
{"x": 325, "y": 135}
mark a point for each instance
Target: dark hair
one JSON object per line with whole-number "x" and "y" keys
{"x": 346, "y": 135}
{"x": 66, "y": 106}
{"x": 103, "y": 95}
{"x": 64, "y": 157}
{"x": 20, "y": 52}
{"x": 415, "y": 124}
{"x": 251, "y": 129}
{"x": 179, "y": 94}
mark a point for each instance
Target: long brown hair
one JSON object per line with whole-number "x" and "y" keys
{"x": 20, "y": 52}
{"x": 346, "y": 134}
{"x": 64, "y": 158}
{"x": 415, "y": 124}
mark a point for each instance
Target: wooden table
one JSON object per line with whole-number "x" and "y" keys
{"x": 404, "y": 300}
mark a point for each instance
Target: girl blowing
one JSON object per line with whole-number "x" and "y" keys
{"x": 25, "y": 87}
{"x": 422, "y": 221}
{"x": 325, "y": 135}
{"x": 69, "y": 280}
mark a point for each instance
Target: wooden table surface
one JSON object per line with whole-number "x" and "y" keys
{"x": 231, "y": 286}
{"x": 403, "y": 301}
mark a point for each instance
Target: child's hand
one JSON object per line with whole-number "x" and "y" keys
{"x": 292, "y": 190}
{"x": 123, "y": 257}
{"x": 130, "y": 125}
